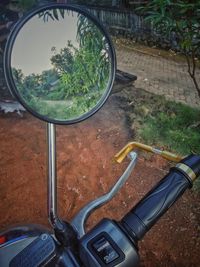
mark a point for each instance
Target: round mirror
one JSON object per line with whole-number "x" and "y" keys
{"x": 59, "y": 63}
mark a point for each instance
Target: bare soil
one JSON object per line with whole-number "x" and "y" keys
{"x": 86, "y": 170}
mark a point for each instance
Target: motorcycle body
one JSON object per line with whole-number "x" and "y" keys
{"x": 33, "y": 245}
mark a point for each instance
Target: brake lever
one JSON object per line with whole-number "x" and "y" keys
{"x": 120, "y": 156}
{"x": 78, "y": 222}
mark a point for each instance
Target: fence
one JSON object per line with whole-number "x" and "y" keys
{"x": 129, "y": 24}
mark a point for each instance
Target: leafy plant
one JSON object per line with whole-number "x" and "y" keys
{"x": 181, "y": 17}
{"x": 24, "y": 5}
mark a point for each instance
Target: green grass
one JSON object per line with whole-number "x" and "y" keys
{"x": 176, "y": 127}
{"x": 172, "y": 125}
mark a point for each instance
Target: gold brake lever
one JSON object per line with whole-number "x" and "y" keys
{"x": 121, "y": 155}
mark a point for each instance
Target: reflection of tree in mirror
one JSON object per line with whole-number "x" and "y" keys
{"x": 34, "y": 85}
{"x": 82, "y": 70}
{"x": 92, "y": 40}
{"x": 53, "y": 14}
{"x": 77, "y": 80}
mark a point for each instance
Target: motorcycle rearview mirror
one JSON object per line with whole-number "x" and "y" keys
{"x": 60, "y": 64}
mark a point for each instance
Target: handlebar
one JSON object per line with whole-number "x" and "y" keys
{"x": 115, "y": 243}
{"x": 155, "y": 203}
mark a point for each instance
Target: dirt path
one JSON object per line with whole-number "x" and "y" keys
{"x": 85, "y": 171}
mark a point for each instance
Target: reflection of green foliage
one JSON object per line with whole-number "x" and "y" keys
{"x": 34, "y": 85}
{"x": 63, "y": 60}
{"x": 93, "y": 41}
{"x": 65, "y": 110}
{"x": 54, "y": 14}
{"x": 78, "y": 80}
{"x": 25, "y": 84}
{"x": 85, "y": 69}
{"x": 18, "y": 76}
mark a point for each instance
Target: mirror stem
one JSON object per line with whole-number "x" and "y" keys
{"x": 64, "y": 232}
{"x": 52, "y": 178}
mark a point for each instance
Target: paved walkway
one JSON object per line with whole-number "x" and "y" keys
{"x": 159, "y": 75}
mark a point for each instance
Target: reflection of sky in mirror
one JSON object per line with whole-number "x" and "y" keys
{"x": 32, "y": 49}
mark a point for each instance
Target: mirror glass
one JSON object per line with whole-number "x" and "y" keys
{"x": 62, "y": 64}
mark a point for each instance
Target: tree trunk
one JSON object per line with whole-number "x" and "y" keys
{"x": 192, "y": 71}
{"x": 196, "y": 84}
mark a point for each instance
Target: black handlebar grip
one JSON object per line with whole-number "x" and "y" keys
{"x": 155, "y": 203}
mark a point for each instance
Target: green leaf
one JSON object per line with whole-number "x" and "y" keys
{"x": 55, "y": 13}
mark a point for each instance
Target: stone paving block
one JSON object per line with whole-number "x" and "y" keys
{"x": 160, "y": 76}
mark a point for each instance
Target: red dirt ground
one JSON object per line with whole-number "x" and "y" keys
{"x": 86, "y": 170}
